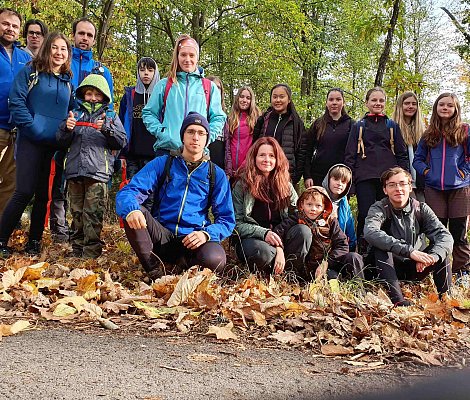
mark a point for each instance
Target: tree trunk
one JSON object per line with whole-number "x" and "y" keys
{"x": 104, "y": 25}
{"x": 379, "y": 77}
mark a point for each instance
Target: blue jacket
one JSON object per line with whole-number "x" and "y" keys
{"x": 188, "y": 95}
{"x": 38, "y": 112}
{"x": 444, "y": 163}
{"x": 83, "y": 64}
{"x": 184, "y": 198}
{"x": 8, "y": 71}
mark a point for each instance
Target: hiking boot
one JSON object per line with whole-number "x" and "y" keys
{"x": 5, "y": 251}
{"x": 33, "y": 247}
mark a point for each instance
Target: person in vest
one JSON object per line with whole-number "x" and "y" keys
{"x": 397, "y": 228}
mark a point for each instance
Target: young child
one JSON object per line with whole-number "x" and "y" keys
{"x": 140, "y": 141}
{"x": 337, "y": 184}
{"x": 92, "y": 135}
{"x": 328, "y": 241}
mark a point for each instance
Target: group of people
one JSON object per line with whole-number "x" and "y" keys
{"x": 196, "y": 177}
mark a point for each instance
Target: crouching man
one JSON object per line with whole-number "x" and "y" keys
{"x": 396, "y": 227}
{"x": 185, "y": 185}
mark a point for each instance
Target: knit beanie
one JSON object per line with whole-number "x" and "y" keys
{"x": 194, "y": 118}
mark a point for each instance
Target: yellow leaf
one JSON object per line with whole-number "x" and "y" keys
{"x": 259, "y": 318}
{"x": 154, "y": 312}
{"x": 48, "y": 283}
{"x": 184, "y": 288}
{"x": 63, "y": 310}
{"x": 34, "y": 272}
{"x": 222, "y": 332}
{"x": 87, "y": 283}
{"x": 93, "y": 309}
{"x": 8, "y": 330}
{"x": 77, "y": 301}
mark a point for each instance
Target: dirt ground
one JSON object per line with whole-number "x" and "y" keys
{"x": 57, "y": 363}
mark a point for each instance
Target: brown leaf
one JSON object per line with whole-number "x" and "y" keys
{"x": 87, "y": 283}
{"x": 222, "y": 332}
{"x": 259, "y": 318}
{"x": 34, "y": 272}
{"x": 288, "y": 337}
{"x": 114, "y": 307}
{"x": 159, "y": 326}
{"x": 460, "y": 316}
{"x": 107, "y": 324}
{"x": 206, "y": 300}
{"x": 18, "y": 326}
{"x": 426, "y": 358}
{"x": 335, "y": 350}
{"x": 184, "y": 288}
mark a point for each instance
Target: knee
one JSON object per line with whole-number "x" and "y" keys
{"x": 212, "y": 255}
{"x": 256, "y": 253}
{"x": 299, "y": 236}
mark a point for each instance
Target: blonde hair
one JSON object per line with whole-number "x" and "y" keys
{"x": 175, "y": 67}
{"x": 413, "y": 132}
{"x": 252, "y": 115}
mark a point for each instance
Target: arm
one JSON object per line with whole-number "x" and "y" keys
{"x": 310, "y": 148}
{"x": 216, "y": 115}
{"x": 151, "y": 112}
{"x": 222, "y": 209}
{"x": 349, "y": 229}
{"x": 419, "y": 161}
{"x": 282, "y": 229}
{"x": 375, "y": 236}
{"x": 65, "y": 135}
{"x": 440, "y": 238}
{"x": 114, "y": 132}
{"x": 228, "y": 151}
{"x": 246, "y": 226}
{"x": 465, "y": 166}
{"x": 350, "y": 152}
{"x": 258, "y": 128}
{"x": 339, "y": 241}
{"x": 20, "y": 113}
{"x": 401, "y": 152}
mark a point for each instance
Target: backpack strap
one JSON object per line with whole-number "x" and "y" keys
{"x": 164, "y": 178}
{"x": 211, "y": 177}
{"x": 360, "y": 141}
{"x": 169, "y": 83}
{"x": 391, "y": 128}
{"x": 33, "y": 79}
{"x": 207, "y": 86}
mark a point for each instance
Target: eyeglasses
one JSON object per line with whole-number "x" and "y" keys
{"x": 193, "y": 132}
{"x": 32, "y": 33}
{"x": 395, "y": 185}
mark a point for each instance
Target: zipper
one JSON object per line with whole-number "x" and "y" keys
{"x": 238, "y": 145}
{"x": 184, "y": 199}
{"x": 275, "y": 129}
{"x": 186, "y": 96}
{"x": 443, "y": 162}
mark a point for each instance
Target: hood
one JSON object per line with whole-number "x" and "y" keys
{"x": 328, "y": 204}
{"x": 140, "y": 87}
{"x": 342, "y": 118}
{"x": 98, "y": 82}
{"x": 326, "y": 185}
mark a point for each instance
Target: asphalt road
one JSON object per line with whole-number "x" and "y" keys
{"x": 67, "y": 364}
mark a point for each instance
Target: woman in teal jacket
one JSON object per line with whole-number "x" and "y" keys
{"x": 184, "y": 90}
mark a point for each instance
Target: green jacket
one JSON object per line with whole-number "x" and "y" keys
{"x": 243, "y": 203}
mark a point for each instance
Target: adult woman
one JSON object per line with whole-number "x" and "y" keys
{"x": 261, "y": 199}
{"x": 407, "y": 115}
{"x": 327, "y": 139}
{"x": 184, "y": 90}
{"x": 442, "y": 157}
{"x": 217, "y": 147}
{"x": 374, "y": 145}
{"x": 282, "y": 122}
{"x": 241, "y": 121}
{"x": 40, "y": 97}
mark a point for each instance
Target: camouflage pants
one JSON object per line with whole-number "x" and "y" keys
{"x": 87, "y": 199}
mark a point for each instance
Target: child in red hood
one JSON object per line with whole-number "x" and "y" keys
{"x": 327, "y": 242}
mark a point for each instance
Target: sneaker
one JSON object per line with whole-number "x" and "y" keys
{"x": 33, "y": 247}
{"x": 5, "y": 251}
{"x": 463, "y": 279}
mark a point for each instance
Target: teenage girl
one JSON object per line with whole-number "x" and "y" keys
{"x": 374, "y": 145}
{"x": 407, "y": 115}
{"x": 241, "y": 121}
{"x": 327, "y": 139}
{"x": 443, "y": 158}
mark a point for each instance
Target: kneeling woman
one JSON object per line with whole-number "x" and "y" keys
{"x": 261, "y": 200}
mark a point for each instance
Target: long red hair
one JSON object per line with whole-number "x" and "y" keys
{"x": 274, "y": 188}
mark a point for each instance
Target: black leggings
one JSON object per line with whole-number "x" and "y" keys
{"x": 161, "y": 241}
{"x": 367, "y": 193}
{"x": 33, "y": 165}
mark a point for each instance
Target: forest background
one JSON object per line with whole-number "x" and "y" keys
{"x": 310, "y": 44}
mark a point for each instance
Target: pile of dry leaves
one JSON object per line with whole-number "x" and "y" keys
{"x": 109, "y": 291}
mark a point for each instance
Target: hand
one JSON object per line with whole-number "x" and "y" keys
{"x": 420, "y": 267}
{"x": 273, "y": 239}
{"x": 194, "y": 240}
{"x": 136, "y": 220}
{"x": 71, "y": 121}
{"x": 426, "y": 171}
{"x": 100, "y": 122}
{"x": 423, "y": 259}
{"x": 279, "y": 261}
{"x": 308, "y": 183}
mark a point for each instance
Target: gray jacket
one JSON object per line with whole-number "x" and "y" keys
{"x": 405, "y": 233}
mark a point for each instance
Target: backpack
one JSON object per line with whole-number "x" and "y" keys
{"x": 360, "y": 143}
{"x": 206, "y": 84}
{"x": 165, "y": 178}
{"x": 415, "y": 206}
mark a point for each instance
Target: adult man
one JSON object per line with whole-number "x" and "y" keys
{"x": 12, "y": 59}
{"x": 397, "y": 227}
{"x": 83, "y": 64}
{"x": 33, "y": 34}
{"x": 180, "y": 224}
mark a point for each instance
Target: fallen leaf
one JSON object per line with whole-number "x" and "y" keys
{"x": 63, "y": 310}
{"x": 158, "y": 326}
{"x": 77, "y": 301}
{"x": 11, "y": 278}
{"x": 93, "y": 309}
{"x": 335, "y": 350}
{"x": 288, "y": 337}
{"x": 222, "y": 332}
{"x": 18, "y": 326}
{"x": 259, "y": 318}
{"x": 34, "y": 272}
{"x": 460, "y": 316}
{"x": 107, "y": 324}
{"x": 184, "y": 288}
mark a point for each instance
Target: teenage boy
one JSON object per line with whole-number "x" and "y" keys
{"x": 34, "y": 33}
{"x": 180, "y": 229}
{"x": 337, "y": 184}
{"x": 12, "y": 59}
{"x": 397, "y": 227}
{"x": 93, "y": 136}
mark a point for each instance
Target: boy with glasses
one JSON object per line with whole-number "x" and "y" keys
{"x": 34, "y": 33}
{"x": 397, "y": 227}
